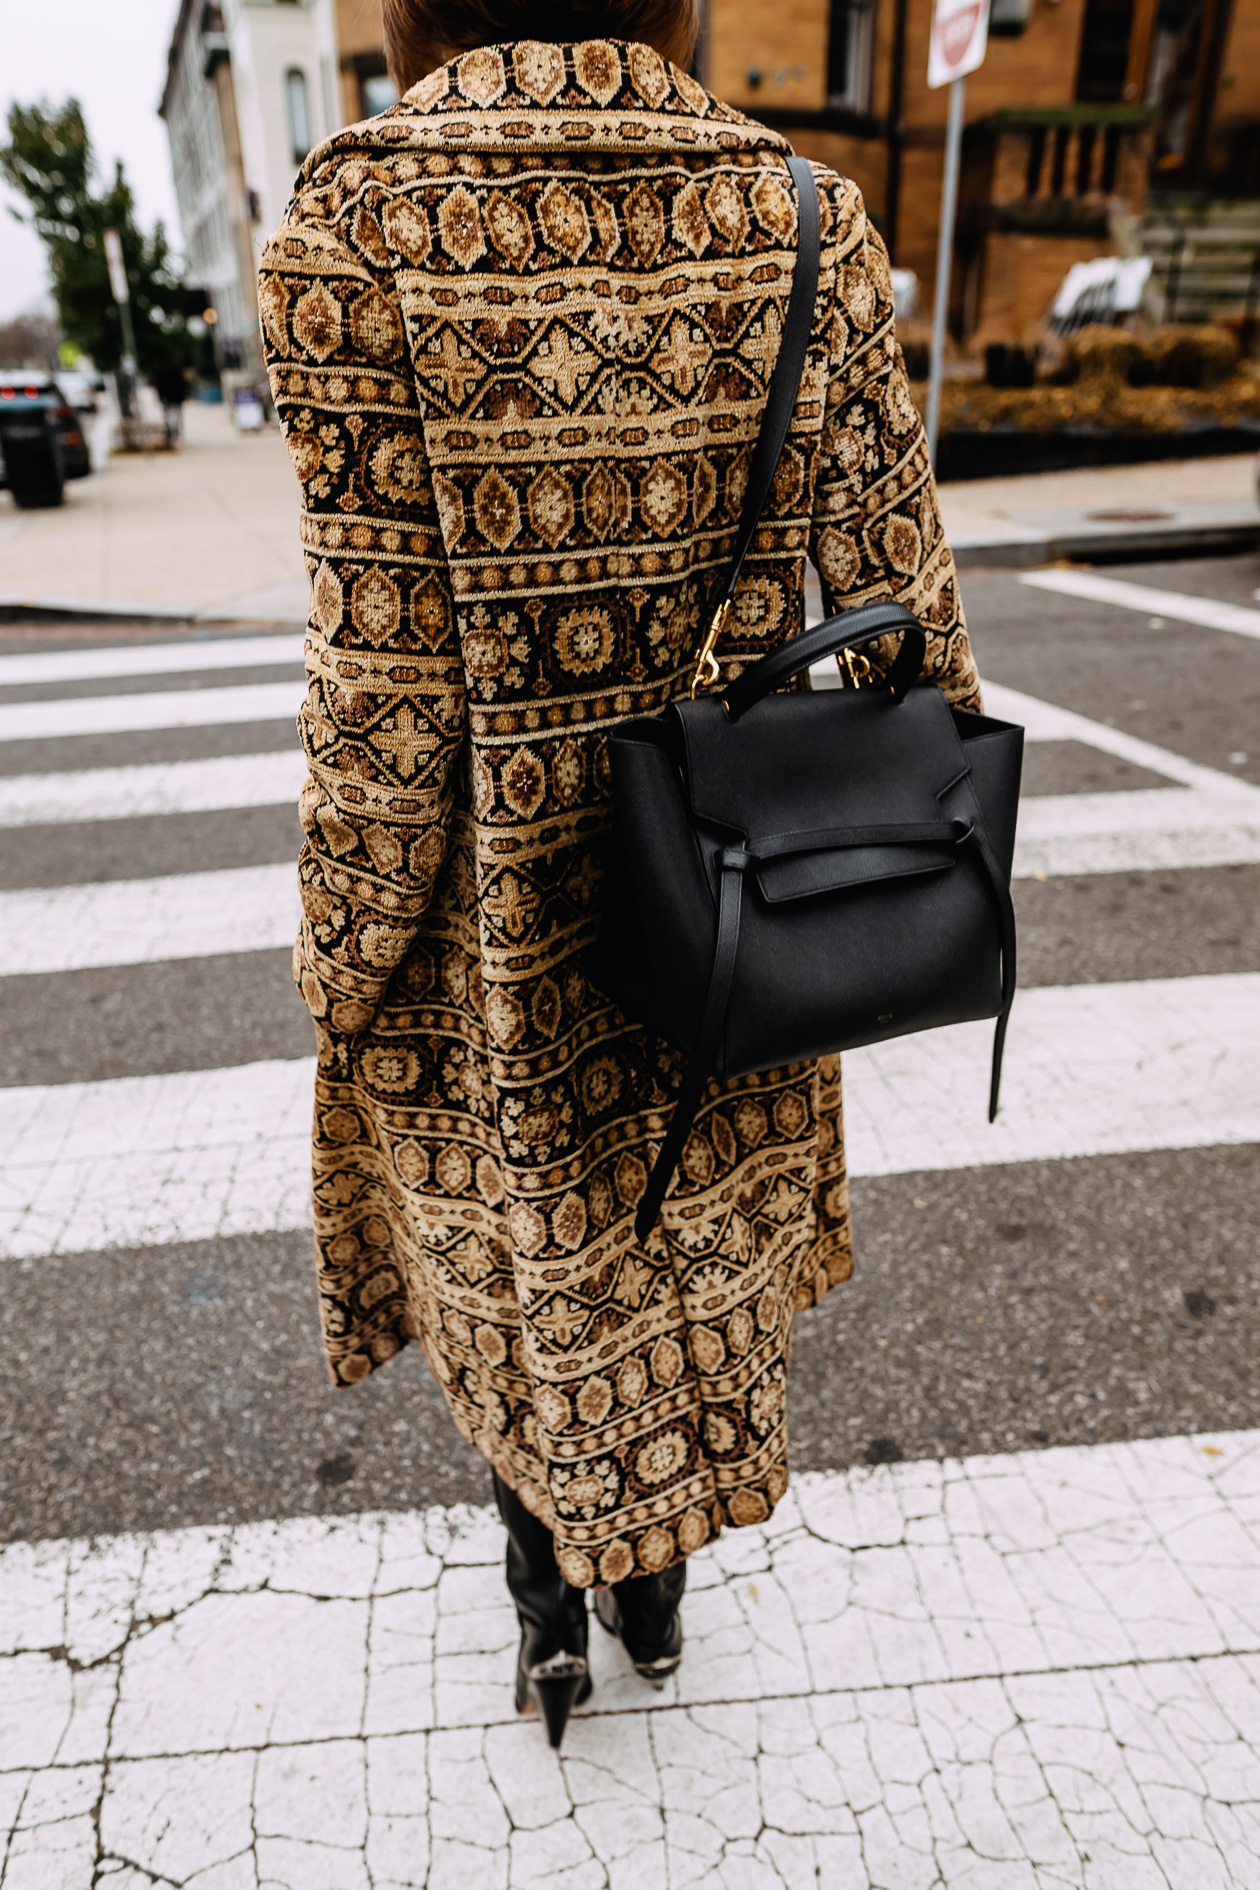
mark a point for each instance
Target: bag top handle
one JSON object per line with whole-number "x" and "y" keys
{"x": 780, "y": 406}
{"x": 846, "y": 631}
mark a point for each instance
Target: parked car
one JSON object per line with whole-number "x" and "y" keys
{"x": 84, "y": 388}
{"x": 41, "y": 439}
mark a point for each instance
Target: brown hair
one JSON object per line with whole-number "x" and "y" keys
{"x": 423, "y": 34}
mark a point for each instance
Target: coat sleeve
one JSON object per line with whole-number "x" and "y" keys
{"x": 384, "y": 713}
{"x": 876, "y": 530}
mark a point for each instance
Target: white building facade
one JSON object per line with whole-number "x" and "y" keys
{"x": 251, "y": 88}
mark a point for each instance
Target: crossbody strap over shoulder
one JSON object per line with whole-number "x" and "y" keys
{"x": 959, "y": 836}
{"x": 776, "y": 420}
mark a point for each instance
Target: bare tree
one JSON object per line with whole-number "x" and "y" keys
{"x": 30, "y": 340}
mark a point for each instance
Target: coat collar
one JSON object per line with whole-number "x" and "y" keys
{"x": 607, "y": 94}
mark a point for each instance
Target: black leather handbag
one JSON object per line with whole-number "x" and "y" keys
{"x": 793, "y": 874}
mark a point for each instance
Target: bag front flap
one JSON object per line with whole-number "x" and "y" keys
{"x": 805, "y": 874}
{"x": 798, "y": 763}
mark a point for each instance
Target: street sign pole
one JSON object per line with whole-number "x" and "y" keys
{"x": 944, "y": 259}
{"x": 122, "y": 296}
{"x": 960, "y": 39}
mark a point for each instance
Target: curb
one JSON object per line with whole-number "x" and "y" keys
{"x": 1017, "y": 550}
{"x": 1107, "y": 547}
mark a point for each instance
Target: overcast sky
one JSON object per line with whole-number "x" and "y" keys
{"x": 111, "y": 56}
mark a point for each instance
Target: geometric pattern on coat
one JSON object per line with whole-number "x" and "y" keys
{"x": 519, "y": 330}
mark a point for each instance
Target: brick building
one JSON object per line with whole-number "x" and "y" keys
{"x": 1081, "y": 109}
{"x": 366, "y": 87}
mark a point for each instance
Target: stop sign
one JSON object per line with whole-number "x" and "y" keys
{"x": 960, "y": 32}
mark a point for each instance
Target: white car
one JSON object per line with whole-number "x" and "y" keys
{"x": 82, "y": 387}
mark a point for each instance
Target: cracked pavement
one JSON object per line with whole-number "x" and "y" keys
{"x": 1027, "y": 1670}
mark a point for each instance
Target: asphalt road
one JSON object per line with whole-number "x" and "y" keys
{"x": 1101, "y": 1297}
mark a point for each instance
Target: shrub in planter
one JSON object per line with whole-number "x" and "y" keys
{"x": 1100, "y": 354}
{"x": 1187, "y": 357}
{"x": 915, "y": 338}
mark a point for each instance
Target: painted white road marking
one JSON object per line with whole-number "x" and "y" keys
{"x": 125, "y": 715}
{"x": 1045, "y": 722}
{"x": 1090, "y": 1070}
{"x": 1146, "y": 830}
{"x": 150, "y": 659}
{"x": 1210, "y": 819}
{"x": 140, "y": 921}
{"x": 1209, "y": 612}
{"x": 1046, "y": 1661}
{"x": 137, "y": 1161}
{"x": 176, "y": 787}
{"x": 1103, "y": 1069}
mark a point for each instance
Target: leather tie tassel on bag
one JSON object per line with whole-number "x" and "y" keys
{"x": 794, "y": 874}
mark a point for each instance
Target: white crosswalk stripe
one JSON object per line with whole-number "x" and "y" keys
{"x": 1090, "y": 1070}
{"x": 210, "y": 786}
{"x": 133, "y": 714}
{"x": 140, "y": 1160}
{"x": 140, "y": 921}
{"x": 1144, "y": 830}
{"x": 1212, "y": 613}
{"x": 150, "y": 659}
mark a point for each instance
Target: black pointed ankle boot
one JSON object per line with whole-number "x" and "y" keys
{"x": 643, "y": 1613}
{"x": 551, "y": 1669}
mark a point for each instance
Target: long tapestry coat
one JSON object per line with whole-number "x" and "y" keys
{"x": 519, "y": 331}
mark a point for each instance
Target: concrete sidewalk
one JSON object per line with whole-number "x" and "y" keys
{"x": 211, "y": 531}
{"x": 1199, "y": 507}
{"x": 208, "y": 531}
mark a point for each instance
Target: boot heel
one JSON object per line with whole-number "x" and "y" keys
{"x": 553, "y": 1686}
{"x": 653, "y": 1635}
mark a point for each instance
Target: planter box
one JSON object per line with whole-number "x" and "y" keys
{"x": 997, "y": 452}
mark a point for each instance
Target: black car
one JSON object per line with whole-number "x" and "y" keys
{"x": 41, "y": 439}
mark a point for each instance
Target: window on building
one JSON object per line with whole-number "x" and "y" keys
{"x": 1008, "y": 18}
{"x": 848, "y": 54}
{"x": 298, "y": 100}
{"x": 1104, "y": 51}
{"x": 1175, "y": 77}
{"x": 377, "y": 92}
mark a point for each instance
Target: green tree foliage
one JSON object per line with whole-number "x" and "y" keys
{"x": 48, "y": 160}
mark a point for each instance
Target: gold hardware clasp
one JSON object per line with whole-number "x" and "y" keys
{"x": 859, "y": 668}
{"x": 707, "y": 671}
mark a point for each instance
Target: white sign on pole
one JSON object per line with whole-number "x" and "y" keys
{"x": 960, "y": 36}
{"x": 114, "y": 260}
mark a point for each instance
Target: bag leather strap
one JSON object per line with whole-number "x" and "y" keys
{"x": 734, "y": 861}
{"x": 776, "y": 419}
